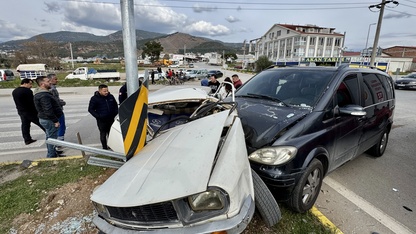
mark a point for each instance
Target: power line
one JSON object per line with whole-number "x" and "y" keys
{"x": 404, "y": 13}
{"x": 271, "y": 3}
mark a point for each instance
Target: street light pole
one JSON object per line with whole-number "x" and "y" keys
{"x": 368, "y": 34}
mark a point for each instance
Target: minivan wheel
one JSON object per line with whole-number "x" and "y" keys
{"x": 378, "y": 149}
{"x": 307, "y": 189}
{"x": 266, "y": 205}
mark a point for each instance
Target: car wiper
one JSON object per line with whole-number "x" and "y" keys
{"x": 254, "y": 95}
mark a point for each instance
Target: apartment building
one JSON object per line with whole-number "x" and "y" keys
{"x": 299, "y": 43}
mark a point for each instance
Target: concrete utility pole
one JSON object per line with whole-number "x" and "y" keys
{"x": 130, "y": 46}
{"x": 380, "y": 19}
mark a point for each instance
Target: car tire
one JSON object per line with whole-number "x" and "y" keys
{"x": 266, "y": 205}
{"x": 311, "y": 182}
{"x": 378, "y": 149}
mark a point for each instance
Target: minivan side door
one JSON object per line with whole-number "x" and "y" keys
{"x": 347, "y": 128}
{"x": 378, "y": 101}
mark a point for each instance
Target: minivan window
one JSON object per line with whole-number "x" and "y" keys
{"x": 374, "y": 90}
{"x": 294, "y": 87}
{"x": 347, "y": 92}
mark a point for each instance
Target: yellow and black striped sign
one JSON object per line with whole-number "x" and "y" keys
{"x": 133, "y": 121}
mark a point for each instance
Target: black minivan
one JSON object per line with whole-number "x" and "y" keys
{"x": 301, "y": 123}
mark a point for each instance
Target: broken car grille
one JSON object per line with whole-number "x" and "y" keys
{"x": 160, "y": 212}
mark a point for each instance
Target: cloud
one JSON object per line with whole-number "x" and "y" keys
{"x": 232, "y": 19}
{"x": 203, "y": 28}
{"x": 397, "y": 16}
{"x": 92, "y": 14}
{"x": 198, "y": 9}
{"x": 11, "y": 30}
{"x": 52, "y": 7}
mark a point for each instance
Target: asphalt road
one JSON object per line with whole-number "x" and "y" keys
{"x": 366, "y": 195}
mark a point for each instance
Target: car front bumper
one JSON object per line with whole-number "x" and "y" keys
{"x": 235, "y": 224}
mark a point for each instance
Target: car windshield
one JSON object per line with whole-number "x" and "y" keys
{"x": 290, "y": 87}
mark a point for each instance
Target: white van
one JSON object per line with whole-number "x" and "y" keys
{"x": 31, "y": 71}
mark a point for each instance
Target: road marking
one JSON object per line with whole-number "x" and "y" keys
{"x": 367, "y": 207}
{"x": 11, "y": 125}
{"x": 33, "y": 132}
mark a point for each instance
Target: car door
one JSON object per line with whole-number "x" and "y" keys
{"x": 347, "y": 128}
{"x": 377, "y": 95}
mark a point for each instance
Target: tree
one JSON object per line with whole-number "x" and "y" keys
{"x": 153, "y": 50}
{"x": 39, "y": 51}
{"x": 231, "y": 55}
{"x": 262, "y": 63}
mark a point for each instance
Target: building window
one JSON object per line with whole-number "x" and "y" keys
{"x": 327, "y": 53}
{"x": 312, "y": 41}
{"x": 337, "y": 41}
{"x": 288, "y": 31}
{"x": 279, "y": 33}
{"x": 321, "y": 41}
{"x": 329, "y": 41}
{"x": 311, "y": 52}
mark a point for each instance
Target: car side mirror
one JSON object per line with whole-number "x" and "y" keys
{"x": 354, "y": 110}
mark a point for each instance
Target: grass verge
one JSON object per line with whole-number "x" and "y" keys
{"x": 24, "y": 192}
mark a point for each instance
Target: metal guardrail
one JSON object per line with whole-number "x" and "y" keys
{"x": 92, "y": 160}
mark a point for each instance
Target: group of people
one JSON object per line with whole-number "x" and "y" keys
{"x": 214, "y": 84}
{"x": 44, "y": 108}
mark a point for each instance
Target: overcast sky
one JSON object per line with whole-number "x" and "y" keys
{"x": 225, "y": 20}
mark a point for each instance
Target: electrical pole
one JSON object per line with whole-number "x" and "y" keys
{"x": 380, "y": 19}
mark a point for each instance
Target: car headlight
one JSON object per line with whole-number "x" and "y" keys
{"x": 273, "y": 155}
{"x": 208, "y": 200}
{"x": 101, "y": 210}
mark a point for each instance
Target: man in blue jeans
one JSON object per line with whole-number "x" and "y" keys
{"x": 49, "y": 112}
{"x": 62, "y": 126}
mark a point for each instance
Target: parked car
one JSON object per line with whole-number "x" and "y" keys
{"x": 301, "y": 123}
{"x": 406, "y": 82}
{"x": 6, "y": 75}
{"x": 216, "y": 73}
{"x": 174, "y": 66}
{"x": 200, "y": 74}
{"x": 191, "y": 65}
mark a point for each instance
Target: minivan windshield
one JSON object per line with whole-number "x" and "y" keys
{"x": 290, "y": 87}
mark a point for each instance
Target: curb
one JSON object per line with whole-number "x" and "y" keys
{"x": 325, "y": 221}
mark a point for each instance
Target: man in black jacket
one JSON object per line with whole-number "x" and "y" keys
{"x": 23, "y": 98}
{"x": 103, "y": 106}
{"x": 49, "y": 112}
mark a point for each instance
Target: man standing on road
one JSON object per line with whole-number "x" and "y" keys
{"x": 103, "y": 106}
{"x": 62, "y": 126}
{"x": 49, "y": 112}
{"x": 23, "y": 98}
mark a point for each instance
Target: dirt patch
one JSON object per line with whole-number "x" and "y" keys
{"x": 66, "y": 209}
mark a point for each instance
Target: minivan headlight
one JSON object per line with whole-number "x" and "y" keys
{"x": 208, "y": 200}
{"x": 273, "y": 155}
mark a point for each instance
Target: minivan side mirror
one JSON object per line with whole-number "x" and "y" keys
{"x": 354, "y": 110}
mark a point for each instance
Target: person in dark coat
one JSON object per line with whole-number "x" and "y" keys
{"x": 23, "y": 98}
{"x": 103, "y": 106}
{"x": 49, "y": 112}
{"x": 122, "y": 93}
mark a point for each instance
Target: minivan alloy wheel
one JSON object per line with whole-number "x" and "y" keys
{"x": 307, "y": 189}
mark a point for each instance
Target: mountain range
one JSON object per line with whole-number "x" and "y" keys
{"x": 90, "y": 45}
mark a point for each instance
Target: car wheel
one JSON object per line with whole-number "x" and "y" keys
{"x": 378, "y": 149}
{"x": 307, "y": 189}
{"x": 266, "y": 205}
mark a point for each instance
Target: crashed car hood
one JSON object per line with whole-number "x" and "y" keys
{"x": 175, "y": 164}
{"x": 263, "y": 119}
{"x": 179, "y": 93}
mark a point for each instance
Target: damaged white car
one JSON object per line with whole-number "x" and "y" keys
{"x": 191, "y": 176}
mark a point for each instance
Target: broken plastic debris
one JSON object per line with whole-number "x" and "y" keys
{"x": 396, "y": 190}
{"x": 407, "y": 208}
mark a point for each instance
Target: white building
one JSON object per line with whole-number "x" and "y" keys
{"x": 299, "y": 43}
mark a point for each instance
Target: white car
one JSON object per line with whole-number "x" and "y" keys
{"x": 174, "y": 65}
{"x": 192, "y": 176}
